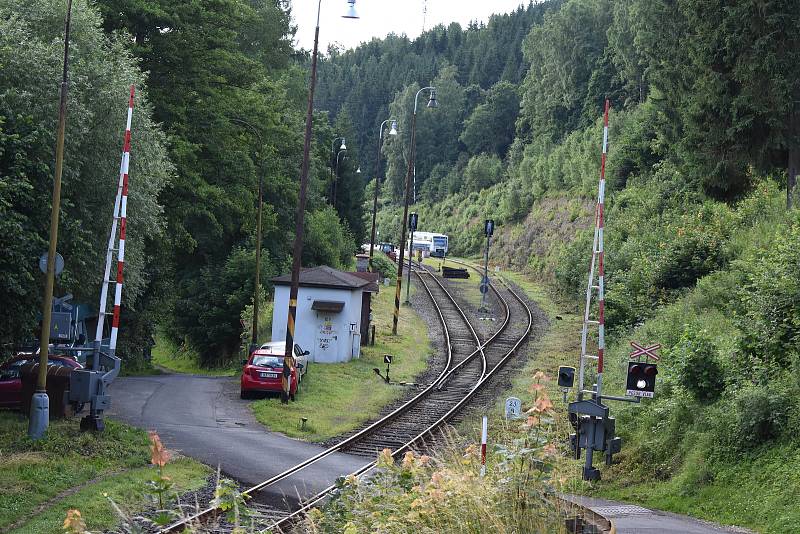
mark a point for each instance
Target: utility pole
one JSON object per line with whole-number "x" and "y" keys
{"x": 432, "y": 103}
{"x": 393, "y": 131}
{"x": 297, "y": 250}
{"x": 40, "y": 404}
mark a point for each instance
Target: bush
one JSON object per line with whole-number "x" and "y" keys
{"x": 383, "y": 265}
{"x": 697, "y": 366}
{"x": 760, "y": 414}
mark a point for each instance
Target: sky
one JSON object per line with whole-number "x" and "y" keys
{"x": 381, "y": 17}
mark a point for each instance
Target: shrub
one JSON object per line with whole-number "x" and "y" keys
{"x": 697, "y": 366}
{"x": 383, "y": 265}
{"x": 760, "y": 413}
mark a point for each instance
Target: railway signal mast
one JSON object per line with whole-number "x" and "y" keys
{"x": 488, "y": 229}
{"x": 595, "y": 429}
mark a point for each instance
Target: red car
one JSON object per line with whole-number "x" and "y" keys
{"x": 262, "y": 371}
{"x": 11, "y": 379}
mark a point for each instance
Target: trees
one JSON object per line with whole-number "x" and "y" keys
{"x": 31, "y": 48}
{"x": 490, "y": 126}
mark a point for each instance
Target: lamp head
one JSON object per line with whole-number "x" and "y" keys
{"x": 358, "y": 170}
{"x": 350, "y": 12}
{"x": 342, "y": 146}
{"x": 393, "y": 130}
{"x": 432, "y": 103}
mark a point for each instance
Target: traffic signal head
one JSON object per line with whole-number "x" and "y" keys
{"x": 641, "y": 379}
{"x": 566, "y": 376}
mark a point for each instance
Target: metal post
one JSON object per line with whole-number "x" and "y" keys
{"x": 398, "y": 289}
{"x": 399, "y": 284}
{"x": 333, "y": 164}
{"x": 377, "y": 188}
{"x": 410, "y": 255}
{"x": 484, "y": 439}
{"x": 254, "y": 339}
{"x": 40, "y": 404}
{"x": 485, "y": 270}
{"x": 257, "y": 290}
{"x": 336, "y": 176}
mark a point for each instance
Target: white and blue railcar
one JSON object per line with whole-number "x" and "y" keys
{"x": 435, "y": 244}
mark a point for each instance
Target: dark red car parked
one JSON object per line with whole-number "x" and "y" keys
{"x": 11, "y": 379}
{"x": 262, "y": 370}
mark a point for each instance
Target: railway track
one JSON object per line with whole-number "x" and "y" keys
{"x": 470, "y": 362}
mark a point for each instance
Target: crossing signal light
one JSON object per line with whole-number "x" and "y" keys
{"x": 566, "y": 376}
{"x": 641, "y": 379}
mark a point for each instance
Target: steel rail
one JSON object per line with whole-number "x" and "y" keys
{"x": 178, "y": 526}
{"x": 481, "y": 346}
{"x": 502, "y": 328}
{"x": 297, "y": 514}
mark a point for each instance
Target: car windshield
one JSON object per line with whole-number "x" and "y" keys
{"x": 440, "y": 241}
{"x": 267, "y": 361}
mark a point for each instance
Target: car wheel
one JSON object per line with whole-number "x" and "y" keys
{"x": 244, "y": 394}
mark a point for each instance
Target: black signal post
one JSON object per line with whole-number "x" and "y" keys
{"x": 488, "y": 229}
{"x": 412, "y": 225}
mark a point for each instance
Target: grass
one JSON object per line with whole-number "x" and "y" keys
{"x": 339, "y": 397}
{"x": 36, "y": 471}
{"x": 183, "y": 359}
{"x": 759, "y": 491}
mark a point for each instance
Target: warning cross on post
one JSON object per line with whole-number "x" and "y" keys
{"x": 649, "y": 352}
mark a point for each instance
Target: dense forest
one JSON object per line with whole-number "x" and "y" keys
{"x": 701, "y": 228}
{"x": 220, "y": 106}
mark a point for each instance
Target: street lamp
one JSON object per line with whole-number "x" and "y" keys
{"x": 39, "y": 418}
{"x": 297, "y": 250}
{"x": 254, "y": 336}
{"x": 392, "y": 131}
{"x": 336, "y": 174}
{"x": 334, "y": 157}
{"x": 432, "y": 103}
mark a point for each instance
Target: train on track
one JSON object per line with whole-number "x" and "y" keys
{"x": 435, "y": 244}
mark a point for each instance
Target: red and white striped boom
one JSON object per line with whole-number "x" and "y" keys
{"x": 120, "y": 215}
{"x": 597, "y": 268}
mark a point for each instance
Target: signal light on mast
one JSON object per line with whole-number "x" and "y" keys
{"x": 641, "y": 379}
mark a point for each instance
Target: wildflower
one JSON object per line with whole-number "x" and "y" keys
{"x": 385, "y": 458}
{"x": 531, "y": 421}
{"x": 550, "y": 449}
{"x": 540, "y": 376}
{"x": 542, "y": 405}
{"x": 424, "y": 460}
{"x": 159, "y": 455}
{"x": 74, "y": 523}
{"x": 471, "y": 450}
{"x": 408, "y": 460}
{"x": 351, "y": 480}
{"x": 536, "y": 386}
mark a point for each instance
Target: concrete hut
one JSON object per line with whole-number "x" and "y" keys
{"x": 333, "y": 310}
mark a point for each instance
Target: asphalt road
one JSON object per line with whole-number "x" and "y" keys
{"x": 632, "y": 519}
{"x": 204, "y": 418}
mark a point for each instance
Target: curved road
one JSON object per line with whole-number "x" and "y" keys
{"x": 204, "y": 418}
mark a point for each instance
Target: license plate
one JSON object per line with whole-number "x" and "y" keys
{"x": 268, "y": 375}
